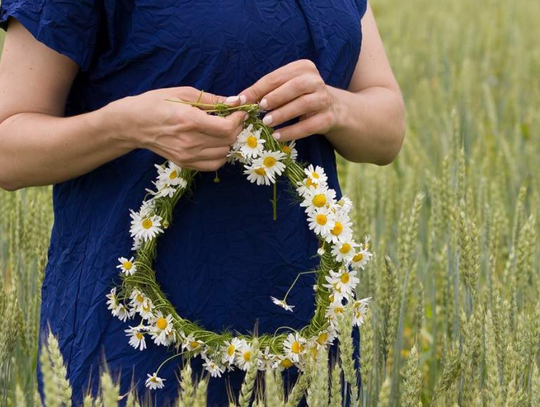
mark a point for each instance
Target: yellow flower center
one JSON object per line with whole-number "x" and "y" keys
{"x": 147, "y": 223}
{"x": 358, "y": 257}
{"x": 153, "y": 379}
{"x": 269, "y": 162}
{"x": 247, "y": 356}
{"x": 173, "y": 174}
{"x": 321, "y": 219}
{"x": 286, "y": 149}
{"x": 310, "y": 183}
{"x": 345, "y": 277}
{"x": 139, "y": 298}
{"x": 297, "y": 347}
{"x": 338, "y": 228}
{"x": 146, "y": 307}
{"x": 251, "y": 141}
{"x": 286, "y": 363}
{"x": 194, "y": 344}
{"x": 339, "y": 310}
{"x": 322, "y": 338}
{"x": 230, "y": 350}
{"x": 128, "y": 265}
{"x": 319, "y": 200}
{"x": 315, "y": 175}
{"x": 161, "y": 323}
{"x": 139, "y": 335}
{"x": 260, "y": 171}
{"x": 345, "y": 248}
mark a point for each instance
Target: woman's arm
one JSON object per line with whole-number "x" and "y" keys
{"x": 38, "y": 146}
{"x": 365, "y": 123}
{"x": 370, "y": 116}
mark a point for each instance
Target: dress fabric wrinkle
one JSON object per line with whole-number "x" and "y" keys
{"x": 223, "y": 255}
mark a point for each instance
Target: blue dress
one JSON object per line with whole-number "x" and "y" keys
{"x": 224, "y": 255}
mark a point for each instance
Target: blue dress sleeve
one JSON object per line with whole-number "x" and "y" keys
{"x": 70, "y": 27}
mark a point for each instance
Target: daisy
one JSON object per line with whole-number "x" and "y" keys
{"x": 361, "y": 258}
{"x": 145, "y": 227}
{"x": 121, "y": 312}
{"x": 342, "y": 229}
{"x": 344, "y": 281}
{"x": 136, "y": 299}
{"x": 294, "y": 346}
{"x": 112, "y": 301}
{"x": 171, "y": 175}
{"x": 259, "y": 175}
{"x": 282, "y": 362}
{"x": 266, "y": 359}
{"x": 137, "y": 244}
{"x": 360, "y": 308}
{"x": 229, "y": 350}
{"x": 250, "y": 142}
{"x": 136, "y": 337}
{"x": 325, "y": 337}
{"x": 316, "y": 174}
{"x": 236, "y": 155}
{"x": 244, "y": 356}
{"x": 214, "y": 369}
{"x": 154, "y": 382}
{"x": 147, "y": 207}
{"x": 163, "y": 190}
{"x": 290, "y": 150}
{"x": 162, "y": 329}
{"x": 319, "y": 197}
{"x": 282, "y": 304}
{"x": 127, "y": 266}
{"x": 345, "y": 203}
{"x": 306, "y": 186}
{"x": 146, "y": 308}
{"x": 344, "y": 251}
{"x": 321, "y": 221}
{"x": 191, "y": 344}
{"x": 271, "y": 162}
{"x": 334, "y": 311}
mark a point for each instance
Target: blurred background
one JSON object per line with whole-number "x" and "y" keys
{"x": 454, "y": 220}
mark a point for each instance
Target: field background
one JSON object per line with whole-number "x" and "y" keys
{"x": 456, "y": 214}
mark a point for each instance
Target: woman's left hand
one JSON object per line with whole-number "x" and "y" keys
{"x": 293, "y": 90}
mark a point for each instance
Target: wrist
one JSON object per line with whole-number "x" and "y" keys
{"x": 340, "y": 110}
{"x": 110, "y": 121}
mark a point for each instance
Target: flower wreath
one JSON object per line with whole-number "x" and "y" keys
{"x": 263, "y": 159}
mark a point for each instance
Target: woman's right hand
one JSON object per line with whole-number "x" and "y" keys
{"x": 186, "y": 135}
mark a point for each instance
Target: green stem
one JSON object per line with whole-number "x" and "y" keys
{"x": 295, "y": 280}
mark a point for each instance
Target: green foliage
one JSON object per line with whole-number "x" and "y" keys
{"x": 454, "y": 224}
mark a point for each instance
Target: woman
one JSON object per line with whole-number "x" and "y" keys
{"x": 83, "y": 86}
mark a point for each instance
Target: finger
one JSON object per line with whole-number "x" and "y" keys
{"x": 191, "y": 94}
{"x": 275, "y": 79}
{"x": 226, "y": 128}
{"x": 316, "y": 124}
{"x": 305, "y": 104}
{"x": 296, "y": 87}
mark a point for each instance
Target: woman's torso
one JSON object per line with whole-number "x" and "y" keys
{"x": 224, "y": 255}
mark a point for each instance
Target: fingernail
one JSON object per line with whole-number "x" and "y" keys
{"x": 268, "y": 119}
{"x": 277, "y": 135}
{"x": 246, "y": 116}
{"x": 231, "y": 99}
{"x": 264, "y": 104}
{"x": 243, "y": 99}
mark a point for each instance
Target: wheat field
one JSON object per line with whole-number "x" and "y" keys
{"x": 455, "y": 319}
